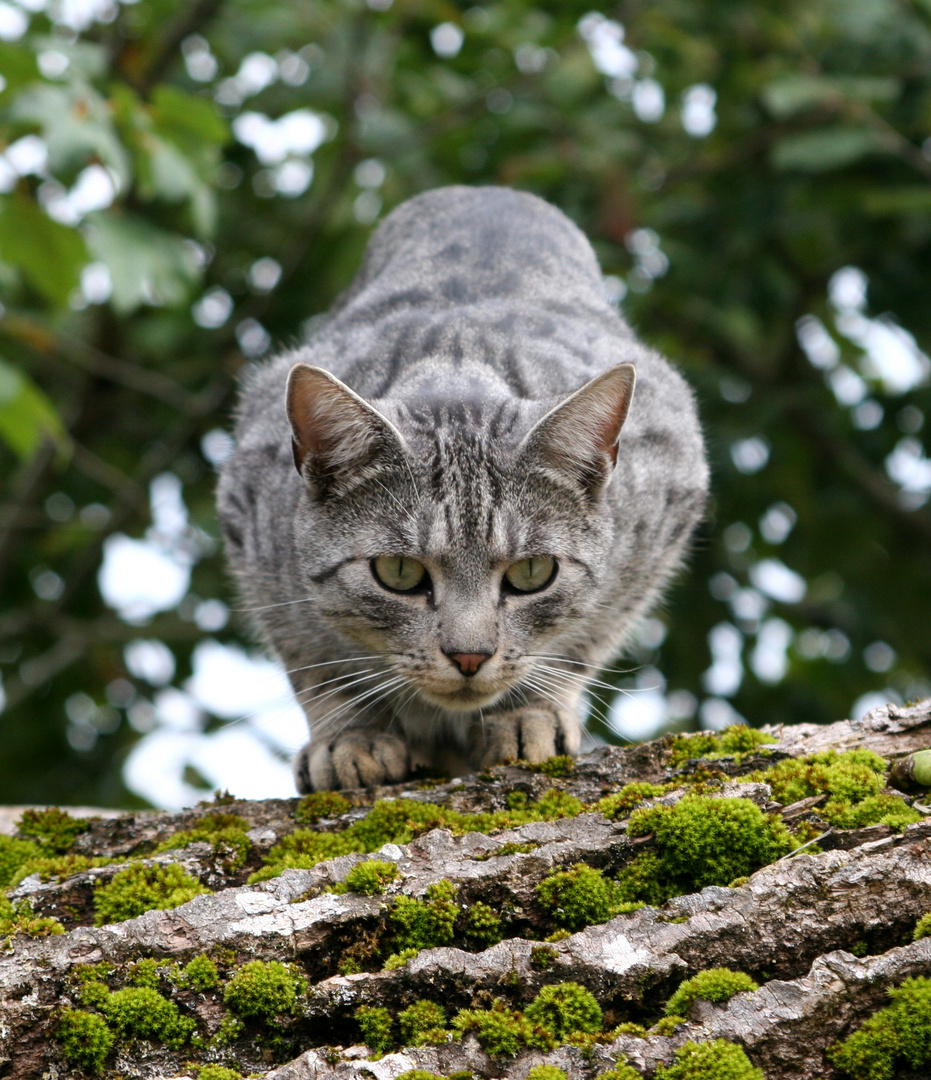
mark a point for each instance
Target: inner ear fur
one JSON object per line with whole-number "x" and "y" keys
{"x": 579, "y": 436}
{"x": 333, "y": 430}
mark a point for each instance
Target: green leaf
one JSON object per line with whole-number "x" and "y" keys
{"x": 18, "y": 65}
{"x": 827, "y": 148}
{"x": 178, "y": 112}
{"x": 791, "y": 94}
{"x": 76, "y": 124}
{"x": 146, "y": 264}
{"x": 914, "y": 199}
{"x": 27, "y": 417}
{"x": 49, "y": 255}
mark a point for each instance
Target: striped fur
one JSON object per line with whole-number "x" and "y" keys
{"x": 448, "y": 425}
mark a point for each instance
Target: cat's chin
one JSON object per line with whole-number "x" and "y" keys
{"x": 465, "y": 699}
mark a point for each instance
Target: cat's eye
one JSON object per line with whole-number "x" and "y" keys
{"x": 531, "y": 575}
{"x": 399, "y": 573}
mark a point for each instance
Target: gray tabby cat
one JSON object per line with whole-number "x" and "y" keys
{"x": 433, "y": 510}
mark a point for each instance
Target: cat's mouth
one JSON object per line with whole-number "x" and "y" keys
{"x": 463, "y": 698}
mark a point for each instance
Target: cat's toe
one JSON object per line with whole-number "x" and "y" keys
{"x": 364, "y": 760}
{"x": 530, "y": 734}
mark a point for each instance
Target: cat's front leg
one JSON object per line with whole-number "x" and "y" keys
{"x": 532, "y": 732}
{"x": 360, "y": 757}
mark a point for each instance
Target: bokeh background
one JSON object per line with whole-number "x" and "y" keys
{"x": 185, "y": 183}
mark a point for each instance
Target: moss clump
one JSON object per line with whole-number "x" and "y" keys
{"x": 852, "y": 781}
{"x": 555, "y": 767}
{"x": 547, "y": 1072}
{"x": 423, "y": 1074}
{"x": 716, "y": 1060}
{"x": 428, "y": 923}
{"x": 700, "y": 841}
{"x": 620, "y": 803}
{"x": 398, "y": 821}
{"x": 146, "y": 972}
{"x": 735, "y": 741}
{"x": 542, "y": 957}
{"x": 482, "y": 925}
{"x": 217, "y": 1072}
{"x": 54, "y": 829}
{"x": 19, "y": 918}
{"x": 57, "y": 866}
{"x": 200, "y": 974}
{"x": 321, "y": 804}
{"x": 262, "y": 990}
{"x": 399, "y": 959}
{"x": 140, "y": 888}
{"x": 510, "y": 848}
{"x": 377, "y": 1027}
{"x": 922, "y": 927}
{"x": 620, "y": 1072}
{"x": 565, "y": 1008}
{"x": 502, "y": 1030}
{"x": 13, "y": 853}
{"x": 900, "y": 1033}
{"x": 581, "y": 896}
{"x": 141, "y": 1012}
{"x": 423, "y": 1022}
{"x": 225, "y": 832}
{"x": 715, "y": 984}
{"x": 85, "y": 1038}
{"x": 371, "y": 877}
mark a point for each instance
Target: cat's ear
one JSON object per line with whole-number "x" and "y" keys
{"x": 334, "y": 432}
{"x": 579, "y": 437}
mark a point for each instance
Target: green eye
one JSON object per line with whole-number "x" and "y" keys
{"x": 530, "y": 575}
{"x": 398, "y": 573}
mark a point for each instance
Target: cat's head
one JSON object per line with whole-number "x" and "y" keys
{"x": 456, "y": 540}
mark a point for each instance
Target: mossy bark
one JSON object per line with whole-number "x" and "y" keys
{"x": 825, "y": 932}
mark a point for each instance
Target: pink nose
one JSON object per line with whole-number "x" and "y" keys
{"x": 469, "y": 662}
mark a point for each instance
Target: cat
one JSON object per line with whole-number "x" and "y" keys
{"x": 438, "y": 509}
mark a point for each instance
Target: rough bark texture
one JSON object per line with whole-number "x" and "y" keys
{"x": 826, "y": 935}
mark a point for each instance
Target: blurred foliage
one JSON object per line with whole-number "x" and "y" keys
{"x": 727, "y": 160}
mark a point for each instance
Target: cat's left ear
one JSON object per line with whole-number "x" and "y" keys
{"x": 334, "y": 431}
{"x": 579, "y": 437}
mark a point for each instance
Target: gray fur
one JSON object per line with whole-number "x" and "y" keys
{"x": 477, "y": 311}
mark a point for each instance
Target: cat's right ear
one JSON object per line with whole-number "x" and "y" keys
{"x": 334, "y": 432}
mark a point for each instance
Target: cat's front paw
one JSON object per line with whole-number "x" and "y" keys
{"x": 356, "y": 759}
{"x": 532, "y": 734}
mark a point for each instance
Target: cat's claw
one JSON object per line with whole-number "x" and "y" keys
{"x": 531, "y": 734}
{"x": 356, "y": 759}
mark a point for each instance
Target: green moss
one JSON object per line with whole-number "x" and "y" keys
{"x": 560, "y": 765}
{"x": 200, "y": 974}
{"x": 262, "y": 990}
{"x": 900, "y": 1033}
{"x": 542, "y": 957}
{"x": 421, "y": 1023}
{"x": 399, "y": 959}
{"x": 54, "y": 829}
{"x": 225, "y": 832}
{"x": 882, "y": 809}
{"x": 216, "y": 1072}
{"x": 428, "y": 923}
{"x": 714, "y": 984}
{"x": 482, "y": 925}
{"x": 716, "y": 1060}
{"x": 620, "y": 1071}
{"x": 547, "y": 1072}
{"x": 922, "y": 927}
{"x": 620, "y": 803}
{"x": 140, "y": 888}
{"x": 57, "y": 866}
{"x": 700, "y": 841}
{"x": 398, "y": 821}
{"x": 564, "y": 1008}
{"x": 13, "y": 853}
{"x": 19, "y": 918}
{"x": 628, "y": 1028}
{"x": 582, "y": 896}
{"x": 85, "y": 1038}
{"x": 734, "y": 741}
{"x": 321, "y": 804}
{"x": 371, "y": 877}
{"x": 501, "y": 1030}
{"x": 146, "y": 972}
{"x": 667, "y": 1025}
{"x": 377, "y": 1027}
{"x": 141, "y": 1012}
{"x": 510, "y": 848}
{"x": 847, "y": 777}
{"x": 422, "y": 1074}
